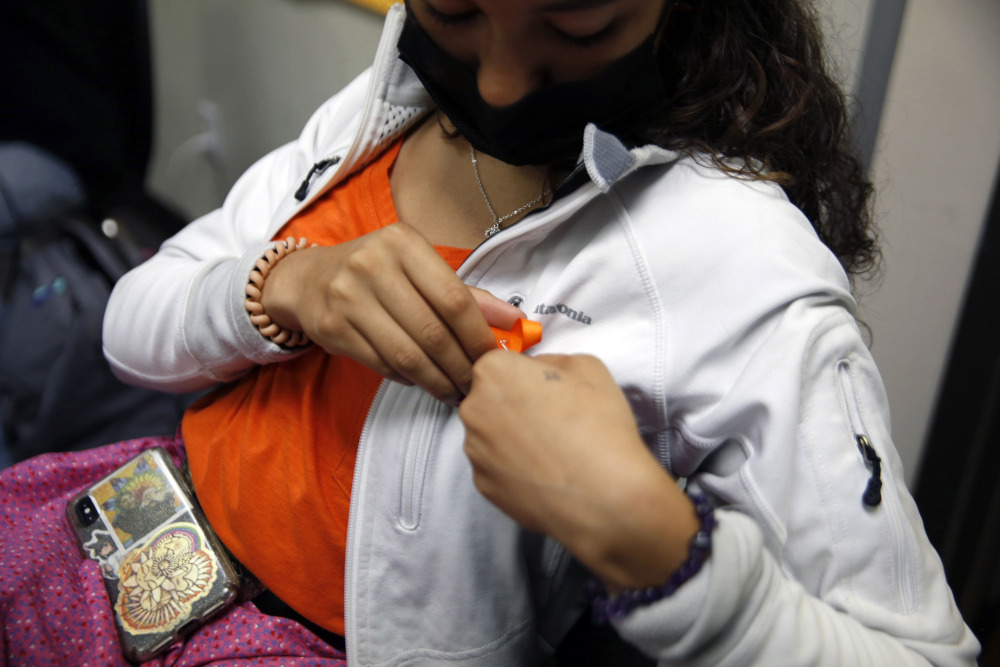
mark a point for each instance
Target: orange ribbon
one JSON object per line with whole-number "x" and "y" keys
{"x": 521, "y": 336}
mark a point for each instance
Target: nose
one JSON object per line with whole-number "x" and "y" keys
{"x": 504, "y": 78}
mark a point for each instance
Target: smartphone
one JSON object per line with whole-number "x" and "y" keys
{"x": 165, "y": 570}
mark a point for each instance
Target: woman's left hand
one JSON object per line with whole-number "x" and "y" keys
{"x": 553, "y": 443}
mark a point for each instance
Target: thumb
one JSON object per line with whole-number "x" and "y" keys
{"x": 498, "y": 313}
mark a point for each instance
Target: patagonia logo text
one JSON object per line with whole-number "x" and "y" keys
{"x": 563, "y": 309}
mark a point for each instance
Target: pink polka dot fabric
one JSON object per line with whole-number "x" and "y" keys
{"x": 54, "y": 609}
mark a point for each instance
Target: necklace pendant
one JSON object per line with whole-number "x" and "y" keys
{"x": 492, "y": 231}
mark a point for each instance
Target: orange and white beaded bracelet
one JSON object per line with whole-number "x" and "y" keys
{"x": 255, "y": 286}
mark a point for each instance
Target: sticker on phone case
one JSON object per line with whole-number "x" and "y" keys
{"x": 137, "y": 500}
{"x": 103, "y": 548}
{"x": 159, "y": 583}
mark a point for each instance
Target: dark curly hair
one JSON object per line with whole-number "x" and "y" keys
{"x": 748, "y": 79}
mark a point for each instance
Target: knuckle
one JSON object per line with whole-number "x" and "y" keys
{"x": 482, "y": 482}
{"x": 395, "y": 236}
{"x": 398, "y": 231}
{"x": 454, "y": 300}
{"x": 488, "y": 364}
{"x": 405, "y": 359}
{"x": 435, "y": 335}
{"x": 364, "y": 261}
{"x": 337, "y": 290}
{"x": 330, "y": 327}
{"x": 480, "y": 371}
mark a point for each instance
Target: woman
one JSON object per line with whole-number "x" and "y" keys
{"x": 621, "y": 171}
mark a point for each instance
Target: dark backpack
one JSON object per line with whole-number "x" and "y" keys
{"x": 57, "y": 392}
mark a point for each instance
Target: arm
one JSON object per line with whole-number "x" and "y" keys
{"x": 176, "y": 322}
{"x": 386, "y": 299}
{"x": 801, "y": 565}
{"x": 817, "y": 598}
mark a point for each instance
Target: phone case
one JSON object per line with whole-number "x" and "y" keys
{"x": 165, "y": 570}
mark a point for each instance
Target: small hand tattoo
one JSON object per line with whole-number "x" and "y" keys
{"x": 552, "y": 376}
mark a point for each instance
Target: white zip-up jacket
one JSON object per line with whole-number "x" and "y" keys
{"x": 724, "y": 319}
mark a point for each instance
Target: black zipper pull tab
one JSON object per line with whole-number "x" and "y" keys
{"x": 873, "y": 492}
{"x": 317, "y": 168}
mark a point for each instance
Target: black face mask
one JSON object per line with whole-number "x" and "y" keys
{"x": 547, "y": 124}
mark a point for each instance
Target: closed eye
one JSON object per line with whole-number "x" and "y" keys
{"x": 447, "y": 19}
{"x": 584, "y": 41}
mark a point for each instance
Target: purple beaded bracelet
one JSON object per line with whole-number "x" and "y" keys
{"x": 607, "y": 607}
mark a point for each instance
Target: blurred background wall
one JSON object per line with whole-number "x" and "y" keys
{"x": 236, "y": 78}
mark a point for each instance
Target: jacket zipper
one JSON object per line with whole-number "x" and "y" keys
{"x": 350, "y": 562}
{"x": 872, "y": 496}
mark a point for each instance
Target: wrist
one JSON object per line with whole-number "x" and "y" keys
{"x": 640, "y": 532}
{"x": 619, "y": 603}
{"x": 265, "y": 313}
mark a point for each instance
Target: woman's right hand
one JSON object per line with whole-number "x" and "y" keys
{"x": 389, "y": 301}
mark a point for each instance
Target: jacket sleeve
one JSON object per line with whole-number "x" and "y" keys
{"x": 768, "y": 402}
{"x": 802, "y": 571}
{"x": 177, "y": 322}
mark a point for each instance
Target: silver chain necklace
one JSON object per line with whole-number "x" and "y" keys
{"x": 497, "y": 219}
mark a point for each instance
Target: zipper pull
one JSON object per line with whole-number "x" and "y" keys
{"x": 873, "y": 492}
{"x": 317, "y": 168}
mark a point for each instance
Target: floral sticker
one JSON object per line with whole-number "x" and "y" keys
{"x": 159, "y": 583}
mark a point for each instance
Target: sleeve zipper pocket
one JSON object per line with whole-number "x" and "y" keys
{"x": 872, "y": 496}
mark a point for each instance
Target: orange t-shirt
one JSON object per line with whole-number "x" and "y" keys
{"x": 272, "y": 454}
